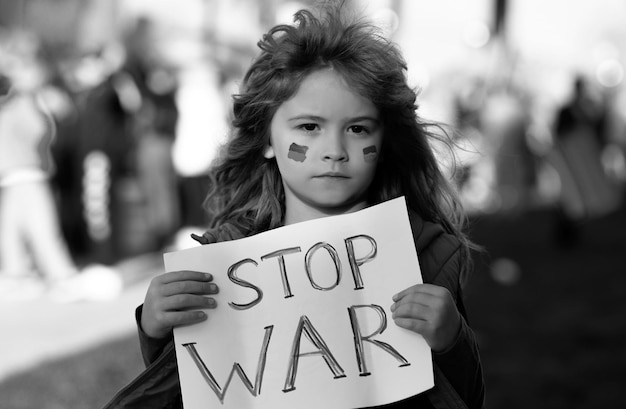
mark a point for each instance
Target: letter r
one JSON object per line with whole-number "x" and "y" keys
{"x": 359, "y": 338}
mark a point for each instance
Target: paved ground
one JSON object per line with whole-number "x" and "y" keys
{"x": 40, "y": 330}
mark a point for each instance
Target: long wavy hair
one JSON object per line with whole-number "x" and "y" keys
{"x": 246, "y": 193}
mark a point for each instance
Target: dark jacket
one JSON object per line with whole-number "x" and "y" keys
{"x": 458, "y": 371}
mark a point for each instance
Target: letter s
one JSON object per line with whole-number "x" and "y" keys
{"x": 232, "y": 275}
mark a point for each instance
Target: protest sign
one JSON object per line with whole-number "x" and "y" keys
{"x": 303, "y": 317}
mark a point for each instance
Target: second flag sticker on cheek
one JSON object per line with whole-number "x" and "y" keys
{"x": 297, "y": 152}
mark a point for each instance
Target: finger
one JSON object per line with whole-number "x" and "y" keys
{"x": 411, "y": 310}
{"x": 418, "y": 288}
{"x": 185, "y": 275}
{"x": 419, "y": 299}
{"x": 414, "y": 325}
{"x": 189, "y": 287}
{"x": 416, "y": 298}
{"x": 184, "y": 302}
{"x": 178, "y": 318}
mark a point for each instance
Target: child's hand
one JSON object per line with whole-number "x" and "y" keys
{"x": 172, "y": 299}
{"x": 430, "y": 311}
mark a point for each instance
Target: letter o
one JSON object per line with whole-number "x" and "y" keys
{"x": 333, "y": 255}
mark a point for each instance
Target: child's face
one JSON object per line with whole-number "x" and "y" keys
{"x": 326, "y": 140}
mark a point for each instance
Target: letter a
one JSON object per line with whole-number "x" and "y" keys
{"x": 255, "y": 389}
{"x": 313, "y": 336}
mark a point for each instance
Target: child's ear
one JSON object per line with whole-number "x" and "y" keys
{"x": 269, "y": 152}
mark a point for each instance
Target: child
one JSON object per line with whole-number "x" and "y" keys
{"x": 325, "y": 124}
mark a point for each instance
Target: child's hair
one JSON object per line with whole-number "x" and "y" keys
{"x": 246, "y": 193}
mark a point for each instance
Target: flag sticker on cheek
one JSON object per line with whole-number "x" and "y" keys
{"x": 370, "y": 154}
{"x": 297, "y": 152}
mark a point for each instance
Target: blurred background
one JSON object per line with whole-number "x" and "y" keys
{"x": 121, "y": 106}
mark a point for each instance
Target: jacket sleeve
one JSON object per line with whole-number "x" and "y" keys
{"x": 151, "y": 348}
{"x": 461, "y": 363}
{"x": 157, "y": 387}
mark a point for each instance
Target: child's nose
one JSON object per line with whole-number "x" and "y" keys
{"x": 334, "y": 148}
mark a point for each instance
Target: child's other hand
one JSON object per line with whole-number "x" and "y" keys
{"x": 430, "y": 311}
{"x": 174, "y": 298}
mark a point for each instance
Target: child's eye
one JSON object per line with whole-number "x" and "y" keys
{"x": 308, "y": 127}
{"x": 357, "y": 129}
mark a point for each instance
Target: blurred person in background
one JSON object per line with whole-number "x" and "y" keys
{"x": 34, "y": 258}
{"x": 96, "y": 153}
{"x": 498, "y": 169}
{"x": 586, "y": 191}
{"x": 504, "y": 122}
{"x": 147, "y": 88}
{"x": 29, "y": 228}
{"x": 89, "y": 151}
{"x": 475, "y": 175}
{"x": 205, "y": 83}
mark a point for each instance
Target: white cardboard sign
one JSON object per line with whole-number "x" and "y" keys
{"x": 303, "y": 317}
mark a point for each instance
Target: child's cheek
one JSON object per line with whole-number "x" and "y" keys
{"x": 370, "y": 154}
{"x": 297, "y": 152}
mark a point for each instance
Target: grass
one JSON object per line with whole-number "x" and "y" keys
{"x": 552, "y": 331}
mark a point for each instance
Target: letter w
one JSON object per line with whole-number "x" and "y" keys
{"x": 210, "y": 379}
